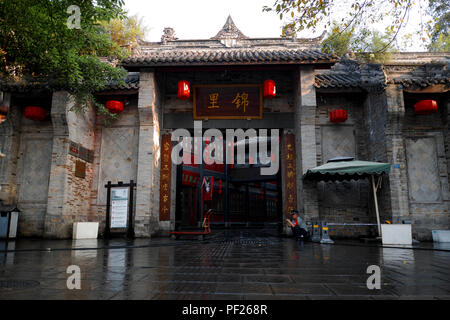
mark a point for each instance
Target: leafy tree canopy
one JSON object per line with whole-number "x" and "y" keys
{"x": 126, "y": 32}
{"x": 440, "y": 37}
{"x": 372, "y": 46}
{"x": 39, "y": 41}
{"x": 358, "y": 16}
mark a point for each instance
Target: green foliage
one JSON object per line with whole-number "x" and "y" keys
{"x": 371, "y": 46}
{"x": 360, "y": 15}
{"x": 37, "y": 44}
{"x": 125, "y": 32}
{"x": 440, "y": 38}
{"x": 374, "y": 46}
{"x": 337, "y": 41}
{"x": 440, "y": 44}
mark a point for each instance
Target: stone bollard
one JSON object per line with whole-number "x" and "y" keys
{"x": 315, "y": 232}
{"x": 325, "y": 236}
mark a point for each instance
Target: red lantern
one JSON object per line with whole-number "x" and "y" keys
{"x": 184, "y": 90}
{"x": 338, "y": 115}
{"x": 114, "y": 106}
{"x": 269, "y": 89}
{"x": 425, "y": 107}
{"x": 34, "y": 113}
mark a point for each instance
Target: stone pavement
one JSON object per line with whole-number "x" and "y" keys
{"x": 234, "y": 264}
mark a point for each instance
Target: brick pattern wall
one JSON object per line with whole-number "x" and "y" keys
{"x": 68, "y": 196}
{"x": 426, "y": 155}
{"x": 115, "y": 157}
{"x": 349, "y": 201}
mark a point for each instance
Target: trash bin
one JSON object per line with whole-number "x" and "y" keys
{"x": 9, "y": 217}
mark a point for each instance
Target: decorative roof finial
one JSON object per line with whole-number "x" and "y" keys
{"x": 168, "y": 35}
{"x": 229, "y": 31}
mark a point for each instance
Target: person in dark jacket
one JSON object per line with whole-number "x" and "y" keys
{"x": 298, "y": 226}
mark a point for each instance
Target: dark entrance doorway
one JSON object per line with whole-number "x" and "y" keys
{"x": 241, "y": 196}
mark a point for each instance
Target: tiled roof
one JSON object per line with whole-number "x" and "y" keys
{"x": 338, "y": 80}
{"x": 422, "y": 81}
{"x": 235, "y": 56}
{"x": 24, "y": 86}
{"x": 131, "y": 82}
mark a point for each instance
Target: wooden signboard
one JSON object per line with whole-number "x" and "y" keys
{"x": 165, "y": 178}
{"x": 290, "y": 174}
{"x": 242, "y": 101}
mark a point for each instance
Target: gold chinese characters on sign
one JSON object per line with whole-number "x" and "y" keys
{"x": 228, "y": 101}
{"x": 165, "y": 178}
{"x": 290, "y": 173}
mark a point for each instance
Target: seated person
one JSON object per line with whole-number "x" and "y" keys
{"x": 298, "y": 226}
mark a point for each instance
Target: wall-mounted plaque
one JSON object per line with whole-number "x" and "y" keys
{"x": 242, "y": 101}
{"x": 80, "y": 169}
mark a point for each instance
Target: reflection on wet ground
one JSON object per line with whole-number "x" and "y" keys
{"x": 235, "y": 264}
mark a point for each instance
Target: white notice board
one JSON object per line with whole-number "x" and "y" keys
{"x": 119, "y": 207}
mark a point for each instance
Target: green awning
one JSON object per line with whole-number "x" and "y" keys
{"x": 347, "y": 170}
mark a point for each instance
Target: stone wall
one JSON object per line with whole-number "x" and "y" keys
{"x": 68, "y": 196}
{"x": 375, "y": 118}
{"x": 147, "y": 196}
{"x": 347, "y": 202}
{"x": 33, "y": 171}
{"x": 25, "y": 170}
{"x": 427, "y": 167}
{"x": 115, "y": 156}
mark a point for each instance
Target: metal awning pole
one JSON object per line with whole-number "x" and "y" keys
{"x": 374, "y": 188}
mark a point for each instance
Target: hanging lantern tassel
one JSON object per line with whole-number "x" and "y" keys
{"x": 270, "y": 89}
{"x": 220, "y": 186}
{"x": 184, "y": 90}
{"x": 262, "y": 193}
{"x": 425, "y": 107}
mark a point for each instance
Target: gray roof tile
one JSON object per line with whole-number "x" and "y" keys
{"x": 338, "y": 80}
{"x": 180, "y": 57}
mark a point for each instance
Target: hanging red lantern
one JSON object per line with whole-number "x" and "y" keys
{"x": 114, "y": 106}
{"x": 184, "y": 90}
{"x": 425, "y": 107}
{"x": 34, "y": 113}
{"x": 270, "y": 89}
{"x": 338, "y": 115}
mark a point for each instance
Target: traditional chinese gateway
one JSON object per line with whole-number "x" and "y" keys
{"x": 57, "y": 162}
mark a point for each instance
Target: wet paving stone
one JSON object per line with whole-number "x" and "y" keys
{"x": 231, "y": 265}
{"x": 268, "y": 279}
{"x": 243, "y": 288}
{"x": 301, "y": 289}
